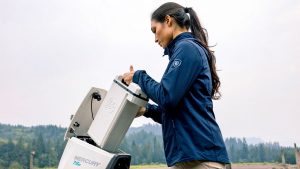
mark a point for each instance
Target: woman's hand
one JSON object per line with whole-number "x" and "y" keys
{"x": 141, "y": 112}
{"x": 127, "y": 77}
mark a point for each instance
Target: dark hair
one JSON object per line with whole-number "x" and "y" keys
{"x": 179, "y": 13}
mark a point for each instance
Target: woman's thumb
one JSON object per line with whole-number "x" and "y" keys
{"x": 131, "y": 68}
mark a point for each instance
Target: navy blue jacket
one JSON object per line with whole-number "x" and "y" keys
{"x": 184, "y": 104}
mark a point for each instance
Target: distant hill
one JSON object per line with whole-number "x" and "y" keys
{"x": 150, "y": 128}
{"x": 156, "y": 129}
{"x": 144, "y": 143}
{"x": 15, "y": 132}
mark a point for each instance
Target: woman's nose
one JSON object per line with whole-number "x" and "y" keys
{"x": 156, "y": 39}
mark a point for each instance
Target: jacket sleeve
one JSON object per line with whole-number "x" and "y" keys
{"x": 154, "y": 112}
{"x": 182, "y": 70}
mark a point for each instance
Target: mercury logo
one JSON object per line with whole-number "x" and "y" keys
{"x": 79, "y": 160}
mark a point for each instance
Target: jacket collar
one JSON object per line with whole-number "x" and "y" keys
{"x": 169, "y": 49}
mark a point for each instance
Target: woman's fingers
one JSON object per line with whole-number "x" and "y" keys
{"x": 127, "y": 81}
{"x": 141, "y": 111}
{"x": 127, "y": 77}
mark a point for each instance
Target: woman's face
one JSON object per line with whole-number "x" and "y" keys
{"x": 163, "y": 32}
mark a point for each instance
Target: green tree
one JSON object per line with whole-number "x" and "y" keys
{"x": 15, "y": 165}
{"x": 136, "y": 154}
{"x": 261, "y": 153}
{"x": 245, "y": 151}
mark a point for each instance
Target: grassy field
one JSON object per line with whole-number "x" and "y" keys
{"x": 234, "y": 166}
{"x": 148, "y": 166}
{"x": 132, "y": 166}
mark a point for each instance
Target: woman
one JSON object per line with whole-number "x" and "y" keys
{"x": 192, "y": 138}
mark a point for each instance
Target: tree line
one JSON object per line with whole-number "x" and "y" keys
{"x": 145, "y": 147}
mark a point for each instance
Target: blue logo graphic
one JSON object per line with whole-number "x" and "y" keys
{"x": 77, "y": 163}
{"x": 176, "y": 63}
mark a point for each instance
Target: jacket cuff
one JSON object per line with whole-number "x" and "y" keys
{"x": 147, "y": 113}
{"x": 136, "y": 76}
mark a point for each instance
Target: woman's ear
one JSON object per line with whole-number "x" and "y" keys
{"x": 169, "y": 20}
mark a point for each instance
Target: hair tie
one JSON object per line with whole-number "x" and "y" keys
{"x": 187, "y": 9}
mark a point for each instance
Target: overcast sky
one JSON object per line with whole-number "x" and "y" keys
{"x": 53, "y": 51}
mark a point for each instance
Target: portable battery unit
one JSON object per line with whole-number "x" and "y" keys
{"x": 116, "y": 114}
{"x": 99, "y": 125}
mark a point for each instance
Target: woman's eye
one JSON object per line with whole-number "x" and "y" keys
{"x": 153, "y": 30}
